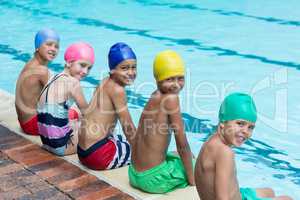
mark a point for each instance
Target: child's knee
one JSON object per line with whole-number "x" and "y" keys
{"x": 284, "y": 198}
{"x": 265, "y": 192}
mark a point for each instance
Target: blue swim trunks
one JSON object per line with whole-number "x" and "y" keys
{"x": 250, "y": 194}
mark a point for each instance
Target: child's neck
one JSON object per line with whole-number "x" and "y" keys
{"x": 39, "y": 60}
{"x": 66, "y": 71}
{"x": 221, "y": 137}
{"x": 114, "y": 79}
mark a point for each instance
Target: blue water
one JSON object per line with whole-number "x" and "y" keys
{"x": 249, "y": 46}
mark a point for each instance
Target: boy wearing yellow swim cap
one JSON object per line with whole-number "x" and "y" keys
{"x": 154, "y": 170}
{"x": 215, "y": 171}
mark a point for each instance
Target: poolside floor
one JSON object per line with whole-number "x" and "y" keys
{"x": 29, "y": 172}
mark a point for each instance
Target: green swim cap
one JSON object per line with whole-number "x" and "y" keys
{"x": 238, "y": 106}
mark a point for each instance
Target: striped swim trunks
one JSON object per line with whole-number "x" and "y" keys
{"x": 109, "y": 153}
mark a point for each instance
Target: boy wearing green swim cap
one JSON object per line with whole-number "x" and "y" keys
{"x": 215, "y": 171}
{"x": 154, "y": 170}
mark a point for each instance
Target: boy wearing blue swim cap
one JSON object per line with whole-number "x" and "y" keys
{"x": 215, "y": 171}
{"x": 33, "y": 78}
{"x": 99, "y": 148}
{"x": 153, "y": 169}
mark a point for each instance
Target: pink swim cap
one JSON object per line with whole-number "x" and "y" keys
{"x": 80, "y": 51}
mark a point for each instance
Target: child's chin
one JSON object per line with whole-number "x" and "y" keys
{"x": 51, "y": 58}
{"x": 238, "y": 144}
{"x": 130, "y": 82}
{"x": 78, "y": 77}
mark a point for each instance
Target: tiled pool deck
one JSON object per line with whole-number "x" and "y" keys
{"x": 29, "y": 172}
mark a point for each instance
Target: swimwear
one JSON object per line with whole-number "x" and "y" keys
{"x": 73, "y": 114}
{"x": 109, "y": 153}
{"x": 30, "y": 127}
{"x": 53, "y": 123}
{"x": 163, "y": 178}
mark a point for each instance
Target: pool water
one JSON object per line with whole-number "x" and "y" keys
{"x": 248, "y": 46}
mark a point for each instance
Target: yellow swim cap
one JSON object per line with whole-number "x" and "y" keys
{"x": 167, "y": 64}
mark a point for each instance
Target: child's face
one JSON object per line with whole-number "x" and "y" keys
{"x": 80, "y": 68}
{"x": 125, "y": 72}
{"x": 236, "y": 132}
{"x": 49, "y": 50}
{"x": 171, "y": 85}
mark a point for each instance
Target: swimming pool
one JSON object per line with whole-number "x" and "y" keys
{"x": 237, "y": 46}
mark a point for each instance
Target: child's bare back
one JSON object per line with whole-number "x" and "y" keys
{"x": 154, "y": 134}
{"x": 100, "y": 118}
{"x": 29, "y": 85}
{"x": 212, "y": 156}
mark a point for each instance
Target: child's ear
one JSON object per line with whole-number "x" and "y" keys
{"x": 68, "y": 65}
{"x": 111, "y": 72}
{"x": 221, "y": 125}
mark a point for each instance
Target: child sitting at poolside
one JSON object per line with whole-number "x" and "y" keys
{"x": 33, "y": 78}
{"x": 98, "y": 147}
{"x": 215, "y": 171}
{"x": 58, "y": 95}
{"x": 152, "y": 169}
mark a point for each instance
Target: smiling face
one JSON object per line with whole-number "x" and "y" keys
{"x": 171, "y": 85}
{"x": 48, "y": 50}
{"x": 79, "y": 69}
{"x": 236, "y": 132}
{"x": 125, "y": 72}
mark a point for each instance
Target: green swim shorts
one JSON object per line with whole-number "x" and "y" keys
{"x": 250, "y": 194}
{"x": 162, "y": 178}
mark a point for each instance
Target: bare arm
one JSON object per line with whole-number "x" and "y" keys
{"x": 225, "y": 174}
{"x": 119, "y": 100}
{"x": 173, "y": 108}
{"x": 77, "y": 94}
{"x": 44, "y": 75}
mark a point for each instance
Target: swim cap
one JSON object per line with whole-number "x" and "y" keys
{"x": 44, "y": 35}
{"x": 167, "y": 64}
{"x": 118, "y": 53}
{"x": 80, "y": 51}
{"x": 238, "y": 106}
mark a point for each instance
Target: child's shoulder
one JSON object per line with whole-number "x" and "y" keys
{"x": 218, "y": 147}
{"x": 70, "y": 81}
{"x": 113, "y": 87}
{"x": 38, "y": 71}
{"x": 33, "y": 66}
{"x": 170, "y": 101}
{"x": 224, "y": 151}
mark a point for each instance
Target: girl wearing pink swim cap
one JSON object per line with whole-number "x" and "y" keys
{"x": 79, "y": 59}
{"x": 58, "y": 135}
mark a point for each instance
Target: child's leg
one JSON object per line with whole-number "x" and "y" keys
{"x": 74, "y": 113}
{"x": 72, "y": 143}
{"x": 269, "y": 193}
{"x": 282, "y": 198}
{"x": 265, "y": 192}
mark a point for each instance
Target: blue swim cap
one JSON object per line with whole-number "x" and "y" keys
{"x": 118, "y": 53}
{"x": 45, "y": 35}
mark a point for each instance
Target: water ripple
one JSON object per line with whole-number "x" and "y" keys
{"x": 187, "y": 42}
{"x": 221, "y": 12}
